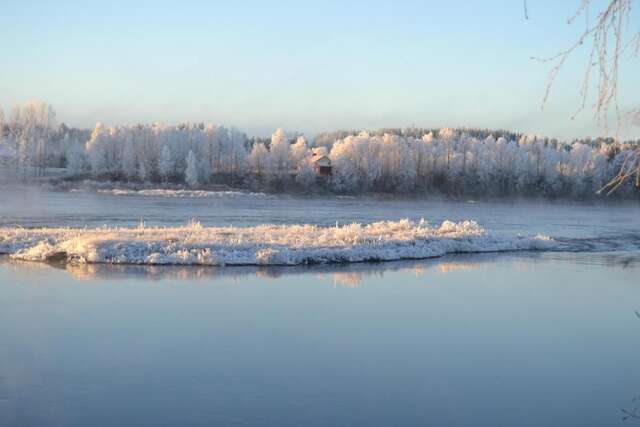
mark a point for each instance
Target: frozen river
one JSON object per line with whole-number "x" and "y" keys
{"x": 526, "y": 338}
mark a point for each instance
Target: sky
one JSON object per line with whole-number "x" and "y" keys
{"x": 306, "y": 66}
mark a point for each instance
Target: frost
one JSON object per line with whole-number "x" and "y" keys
{"x": 470, "y": 162}
{"x": 266, "y": 244}
{"x": 183, "y": 193}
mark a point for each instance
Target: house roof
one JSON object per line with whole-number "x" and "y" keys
{"x": 322, "y": 158}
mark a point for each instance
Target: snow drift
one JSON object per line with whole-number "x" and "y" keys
{"x": 194, "y": 244}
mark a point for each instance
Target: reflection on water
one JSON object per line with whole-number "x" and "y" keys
{"x": 467, "y": 340}
{"x": 634, "y": 411}
{"x": 347, "y": 279}
{"x": 349, "y": 275}
{"x": 346, "y": 275}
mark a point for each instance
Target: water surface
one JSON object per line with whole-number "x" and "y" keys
{"x": 526, "y": 339}
{"x": 462, "y": 341}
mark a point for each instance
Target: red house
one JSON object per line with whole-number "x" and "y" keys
{"x": 322, "y": 165}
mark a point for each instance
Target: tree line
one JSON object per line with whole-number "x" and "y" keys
{"x": 411, "y": 160}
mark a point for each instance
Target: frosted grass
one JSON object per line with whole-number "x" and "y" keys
{"x": 267, "y": 244}
{"x": 194, "y": 244}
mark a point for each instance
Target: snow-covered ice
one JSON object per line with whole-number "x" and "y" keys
{"x": 183, "y": 193}
{"x": 267, "y": 244}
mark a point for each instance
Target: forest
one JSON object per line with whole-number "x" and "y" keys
{"x": 410, "y": 161}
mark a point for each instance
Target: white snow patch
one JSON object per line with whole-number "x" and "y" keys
{"x": 261, "y": 245}
{"x": 183, "y": 193}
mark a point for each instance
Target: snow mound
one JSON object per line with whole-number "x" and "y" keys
{"x": 183, "y": 193}
{"x": 267, "y": 244}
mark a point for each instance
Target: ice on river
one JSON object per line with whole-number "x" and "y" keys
{"x": 267, "y": 244}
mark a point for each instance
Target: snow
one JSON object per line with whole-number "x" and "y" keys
{"x": 266, "y": 244}
{"x": 159, "y": 192}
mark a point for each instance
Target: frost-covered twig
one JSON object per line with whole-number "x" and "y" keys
{"x": 606, "y": 36}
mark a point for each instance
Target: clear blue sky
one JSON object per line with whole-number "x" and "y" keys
{"x": 307, "y": 66}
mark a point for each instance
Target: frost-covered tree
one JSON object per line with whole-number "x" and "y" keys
{"x": 143, "y": 175}
{"x": 97, "y": 151}
{"x": 259, "y": 158}
{"x": 167, "y": 163}
{"x": 452, "y": 161}
{"x": 306, "y": 175}
{"x": 237, "y": 155}
{"x": 191, "y": 172}
{"x": 299, "y": 151}
{"x": 204, "y": 170}
{"x": 76, "y": 159}
{"x": 345, "y": 171}
{"x": 31, "y": 127}
{"x": 129, "y": 161}
{"x": 279, "y": 152}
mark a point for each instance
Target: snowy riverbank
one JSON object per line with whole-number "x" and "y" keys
{"x": 261, "y": 245}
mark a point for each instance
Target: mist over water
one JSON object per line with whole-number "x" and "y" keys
{"x": 31, "y": 205}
